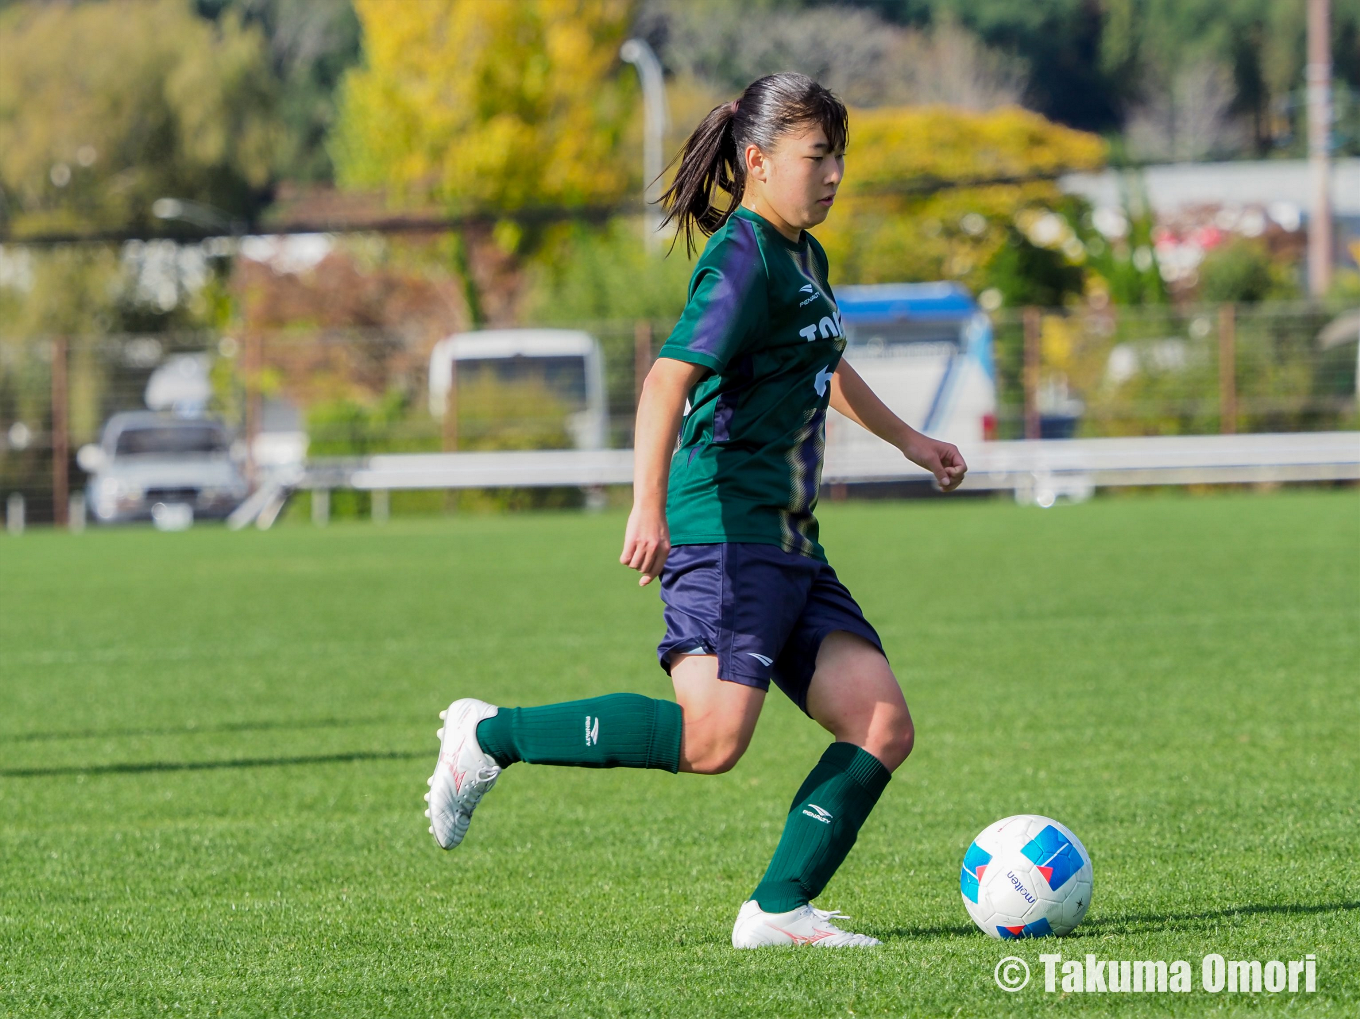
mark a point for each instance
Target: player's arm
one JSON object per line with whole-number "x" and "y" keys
{"x": 852, "y": 396}
{"x": 646, "y": 542}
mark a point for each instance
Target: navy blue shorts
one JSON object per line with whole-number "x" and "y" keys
{"x": 762, "y": 611}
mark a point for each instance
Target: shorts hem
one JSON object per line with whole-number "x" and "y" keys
{"x": 751, "y": 681}
{"x": 666, "y": 658}
{"x": 866, "y": 631}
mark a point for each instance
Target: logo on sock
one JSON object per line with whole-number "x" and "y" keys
{"x": 822, "y": 814}
{"x": 592, "y": 731}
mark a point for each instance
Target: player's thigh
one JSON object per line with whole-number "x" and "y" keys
{"x": 720, "y": 716}
{"x": 855, "y": 696}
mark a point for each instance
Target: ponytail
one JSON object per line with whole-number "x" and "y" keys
{"x": 713, "y": 157}
{"x": 709, "y": 160}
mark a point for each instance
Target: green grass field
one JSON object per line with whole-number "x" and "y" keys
{"x": 213, "y": 749}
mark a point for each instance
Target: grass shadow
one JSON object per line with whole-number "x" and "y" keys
{"x": 144, "y": 767}
{"x": 904, "y": 933}
{"x": 193, "y": 730}
{"x": 1147, "y": 922}
{"x": 1141, "y": 923}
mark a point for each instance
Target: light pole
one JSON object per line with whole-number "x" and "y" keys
{"x": 1319, "y": 77}
{"x": 640, "y": 55}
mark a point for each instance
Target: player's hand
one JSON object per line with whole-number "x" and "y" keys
{"x": 646, "y": 543}
{"x": 942, "y": 459}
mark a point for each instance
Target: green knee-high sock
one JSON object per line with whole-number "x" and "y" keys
{"x": 823, "y": 824}
{"x": 621, "y": 730}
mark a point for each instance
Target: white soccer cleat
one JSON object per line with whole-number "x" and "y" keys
{"x": 805, "y": 925}
{"x": 463, "y": 774}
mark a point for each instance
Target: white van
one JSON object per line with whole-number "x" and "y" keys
{"x": 568, "y": 363}
{"x": 926, "y": 350}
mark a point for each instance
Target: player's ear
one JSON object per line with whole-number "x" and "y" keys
{"x": 756, "y": 163}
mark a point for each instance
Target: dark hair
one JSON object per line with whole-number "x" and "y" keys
{"x": 712, "y": 157}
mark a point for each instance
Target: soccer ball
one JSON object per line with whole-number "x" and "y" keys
{"x": 1024, "y": 877}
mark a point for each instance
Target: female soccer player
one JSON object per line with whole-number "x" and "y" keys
{"x": 724, "y": 518}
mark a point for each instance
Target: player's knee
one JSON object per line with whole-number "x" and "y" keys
{"x": 899, "y": 737}
{"x": 904, "y": 732}
{"x": 718, "y": 759}
{"x": 714, "y": 753}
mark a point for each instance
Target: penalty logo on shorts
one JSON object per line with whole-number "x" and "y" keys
{"x": 1054, "y": 856}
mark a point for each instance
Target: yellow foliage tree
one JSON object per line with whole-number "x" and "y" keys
{"x": 891, "y": 224}
{"x": 489, "y": 104}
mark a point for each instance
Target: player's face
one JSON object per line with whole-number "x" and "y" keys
{"x": 799, "y": 179}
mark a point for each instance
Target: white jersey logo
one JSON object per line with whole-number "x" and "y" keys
{"x": 592, "y": 731}
{"x": 822, "y": 380}
{"x": 829, "y": 326}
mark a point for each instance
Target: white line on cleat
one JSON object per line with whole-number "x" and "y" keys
{"x": 805, "y": 925}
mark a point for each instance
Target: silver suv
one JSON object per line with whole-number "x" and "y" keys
{"x": 148, "y": 464}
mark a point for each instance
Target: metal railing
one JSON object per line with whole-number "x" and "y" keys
{"x": 1114, "y": 372}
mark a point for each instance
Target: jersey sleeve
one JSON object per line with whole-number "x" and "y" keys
{"x": 728, "y": 304}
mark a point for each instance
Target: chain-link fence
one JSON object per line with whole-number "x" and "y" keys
{"x": 346, "y": 392}
{"x": 1060, "y": 373}
{"x": 1175, "y": 371}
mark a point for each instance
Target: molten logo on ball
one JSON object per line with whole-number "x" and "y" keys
{"x": 1026, "y": 876}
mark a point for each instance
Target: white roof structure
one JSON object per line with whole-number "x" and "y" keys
{"x": 1175, "y": 186}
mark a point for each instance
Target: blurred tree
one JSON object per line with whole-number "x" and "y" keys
{"x": 1058, "y": 41}
{"x": 105, "y": 107}
{"x": 66, "y": 290}
{"x": 1091, "y": 63}
{"x": 591, "y": 275}
{"x": 882, "y": 232}
{"x": 490, "y": 104}
{"x": 1027, "y": 273}
{"x": 1242, "y": 270}
{"x": 865, "y": 60}
{"x": 312, "y": 43}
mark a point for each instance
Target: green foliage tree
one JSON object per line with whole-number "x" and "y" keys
{"x": 1088, "y": 63}
{"x": 311, "y": 44}
{"x": 1243, "y": 271}
{"x": 1026, "y": 273}
{"x": 591, "y": 275}
{"x": 1058, "y": 40}
{"x": 106, "y": 107}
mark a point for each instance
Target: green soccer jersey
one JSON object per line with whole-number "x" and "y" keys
{"x": 762, "y": 318}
